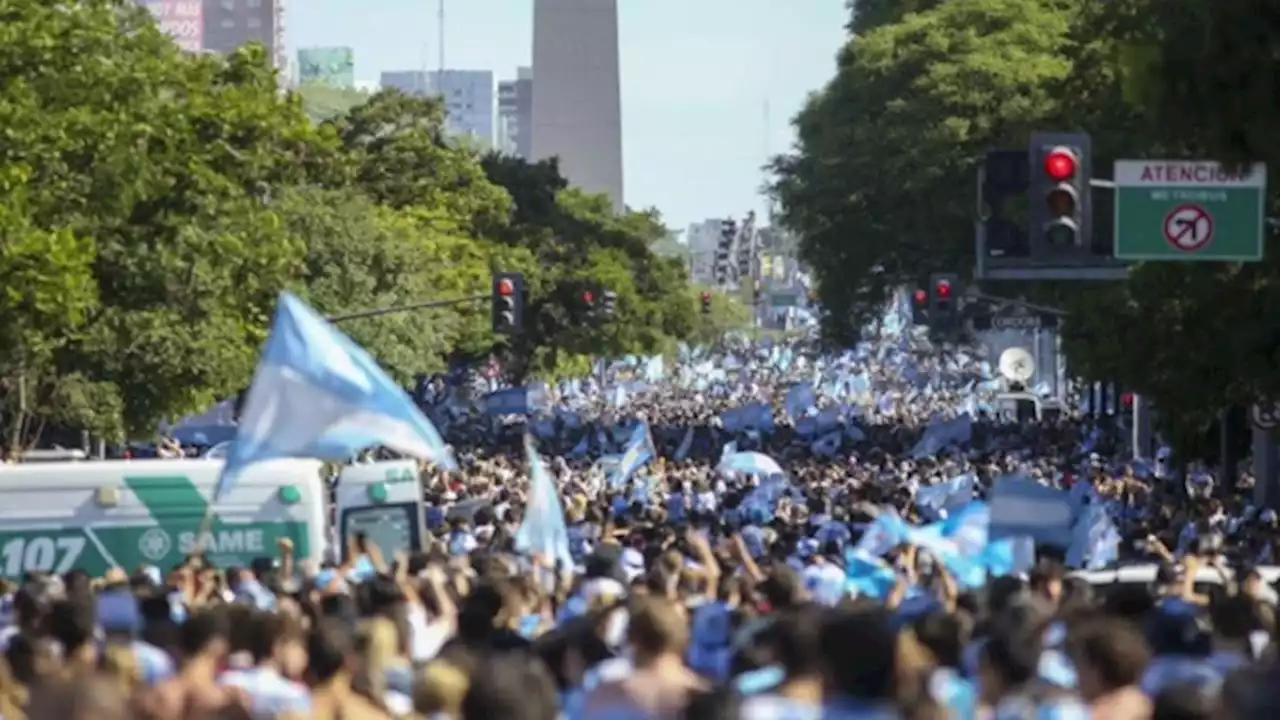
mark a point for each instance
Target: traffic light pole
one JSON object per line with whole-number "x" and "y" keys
{"x": 1042, "y": 309}
{"x": 379, "y": 312}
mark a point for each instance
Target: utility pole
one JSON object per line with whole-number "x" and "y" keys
{"x": 440, "y": 39}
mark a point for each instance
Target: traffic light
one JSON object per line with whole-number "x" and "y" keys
{"x": 1061, "y": 208}
{"x": 608, "y": 303}
{"x": 728, "y": 232}
{"x": 706, "y": 303}
{"x": 757, "y": 294}
{"x": 920, "y": 307}
{"x": 943, "y": 288}
{"x": 508, "y": 303}
{"x": 587, "y": 305}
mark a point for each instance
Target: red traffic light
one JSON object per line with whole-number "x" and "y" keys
{"x": 706, "y": 297}
{"x": 943, "y": 289}
{"x": 588, "y": 297}
{"x": 506, "y": 288}
{"x": 920, "y": 296}
{"x": 1060, "y": 164}
{"x": 1126, "y": 399}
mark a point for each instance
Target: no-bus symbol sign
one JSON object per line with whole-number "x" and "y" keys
{"x": 1188, "y": 227}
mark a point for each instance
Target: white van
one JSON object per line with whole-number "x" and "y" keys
{"x": 383, "y": 500}
{"x": 127, "y": 513}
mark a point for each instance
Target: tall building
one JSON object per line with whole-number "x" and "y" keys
{"x": 468, "y": 102}
{"x": 332, "y": 66}
{"x": 409, "y": 82}
{"x": 228, "y": 24}
{"x": 577, "y": 109}
{"x": 183, "y": 20}
{"x": 515, "y": 114}
{"x": 702, "y": 239}
{"x": 467, "y": 94}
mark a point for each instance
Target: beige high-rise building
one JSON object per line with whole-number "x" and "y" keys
{"x": 577, "y": 103}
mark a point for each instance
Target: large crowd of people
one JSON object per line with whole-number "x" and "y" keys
{"x": 690, "y": 586}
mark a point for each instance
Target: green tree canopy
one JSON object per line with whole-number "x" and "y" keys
{"x": 881, "y": 185}
{"x": 361, "y": 255}
{"x": 154, "y": 170}
{"x": 323, "y": 102}
{"x": 578, "y": 242}
{"x": 153, "y": 205}
{"x": 402, "y": 159}
{"x": 727, "y": 313}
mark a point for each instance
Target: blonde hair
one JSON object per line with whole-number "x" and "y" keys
{"x": 120, "y": 665}
{"x": 379, "y": 644}
{"x": 439, "y": 688}
{"x": 13, "y": 695}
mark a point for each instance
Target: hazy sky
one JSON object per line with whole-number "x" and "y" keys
{"x": 697, "y": 76}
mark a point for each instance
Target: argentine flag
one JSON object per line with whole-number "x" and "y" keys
{"x": 316, "y": 394}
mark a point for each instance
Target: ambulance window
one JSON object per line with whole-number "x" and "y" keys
{"x": 393, "y": 528}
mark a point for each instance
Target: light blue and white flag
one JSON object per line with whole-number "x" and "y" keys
{"x": 936, "y": 501}
{"x": 751, "y": 463}
{"x": 638, "y": 452}
{"x": 655, "y": 369}
{"x": 1095, "y": 541}
{"x": 316, "y": 394}
{"x": 884, "y": 533}
{"x": 686, "y": 443}
{"x": 940, "y": 435}
{"x": 867, "y": 575}
{"x": 798, "y": 400}
{"x": 828, "y": 445}
{"x": 619, "y": 397}
{"x": 543, "y": 530}
{"x": 1021, "y": 506}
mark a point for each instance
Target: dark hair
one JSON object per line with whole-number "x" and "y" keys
{"x": 796, "y": 638}
{"x": 202, "y": 629}
{"x": 1112, "y": 648}
{"x": 860, "y": 649}
{"x": 512, "y": 686}
{"x": 72, "y": 622}
{"x": 330, "y": 645}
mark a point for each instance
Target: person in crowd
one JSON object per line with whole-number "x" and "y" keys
{"x": 763, "y": 553}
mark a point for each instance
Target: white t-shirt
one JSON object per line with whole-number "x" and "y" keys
{"x": 425, "y": 636}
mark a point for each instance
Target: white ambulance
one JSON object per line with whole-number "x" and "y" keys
{"x": 55, "y": 517}
{"x": 383, "y": 500}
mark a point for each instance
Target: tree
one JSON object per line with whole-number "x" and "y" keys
{"x": 728, "y": 313}
{"x": 159, "y": 168}
{"x": 578, "y": 242}
{"x": 48, "y": 293}
{"x": 1181, "y": 92}
{"x": 881, "y": 185}
{"x": 1206, "y": 71}
{"x": 323, "y": 102}
{"x": 360, "y": 255}
{"x": 402, "y": 159}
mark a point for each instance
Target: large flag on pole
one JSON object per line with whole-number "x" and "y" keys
{"x": 543, "y": 530}
{"x": 317, "y": 394}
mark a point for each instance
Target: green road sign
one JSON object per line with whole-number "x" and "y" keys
{"x": 1189, "y": 210}
{"x": 783, "y": 299}
{"x": 177, "y": 510}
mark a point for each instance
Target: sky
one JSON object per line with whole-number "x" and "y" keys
{"x": 709, "y": 87}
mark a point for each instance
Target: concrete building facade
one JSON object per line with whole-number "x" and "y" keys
{"x": 468, "y": 102}
{"x": 703, "y": 238}
{"x": 577, "y": 109}
{"x": 467, "y": 94}
{"x": 515, "y": 114}
{"x": 228, "y": 24}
